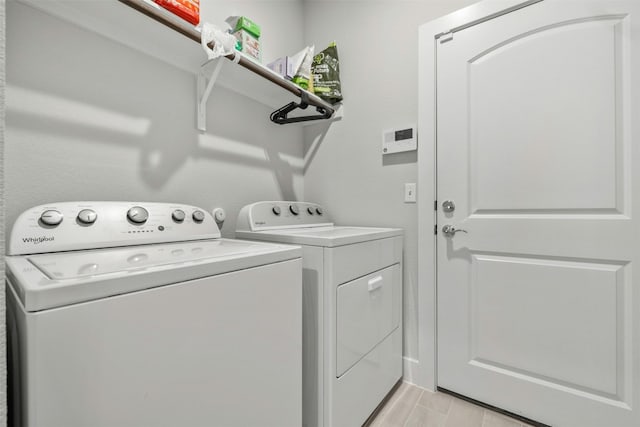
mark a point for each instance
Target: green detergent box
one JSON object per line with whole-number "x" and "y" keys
{"x": 247, "y": 33}
{"x": 246, "y": 24}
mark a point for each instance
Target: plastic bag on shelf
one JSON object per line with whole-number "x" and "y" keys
{"x": 223, "y": 42}
{"x": 326, "y": 75}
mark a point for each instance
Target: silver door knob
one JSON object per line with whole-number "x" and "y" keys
{"x": 450, "y": 230}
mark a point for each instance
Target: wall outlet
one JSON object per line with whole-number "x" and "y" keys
{"x": 410, "y": 192}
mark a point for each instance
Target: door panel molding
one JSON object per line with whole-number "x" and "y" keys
{"x": 588, "y": 191}
{"x": 615, "y": 17}
{"x": 508, "y": 282}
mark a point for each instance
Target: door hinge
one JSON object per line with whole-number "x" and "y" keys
{"x": 435, "y": 205}
{"x": 435, "y": 229}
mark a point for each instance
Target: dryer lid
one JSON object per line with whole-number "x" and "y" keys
{"x": 329, "y": 236}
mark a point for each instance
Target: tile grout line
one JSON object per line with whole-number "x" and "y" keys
{"x": 392, "y": 403}
{"x": 414, "y": 407}
{"x": 484, "y": 417}
{"x": 450, "y": 406}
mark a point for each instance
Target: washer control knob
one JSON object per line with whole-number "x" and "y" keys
{"x": 198, "y": 216}
{"x": 294, "y": 209}
{"x": 276, "y": 210}
{"x": 138, "y": 215}
{"x": 87, "y": 216}
{"x": 51, "y": 217}
{"x": 310, "y": 211}
{"x": 319, "y": 211}
{"x": 178, "y": 215}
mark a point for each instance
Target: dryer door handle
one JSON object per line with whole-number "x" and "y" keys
{"x": 375, "y": 283}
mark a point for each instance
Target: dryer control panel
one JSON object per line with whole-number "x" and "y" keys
{"x": 67, "y": 226}
{"x": 282, "y": 214}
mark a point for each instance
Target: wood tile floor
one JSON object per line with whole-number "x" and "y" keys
{"x": 411, "y": 406}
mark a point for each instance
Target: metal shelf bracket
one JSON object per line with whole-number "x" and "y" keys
{"x": 206, "y": 80}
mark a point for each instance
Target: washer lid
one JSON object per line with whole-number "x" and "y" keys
{"x": 75, "y": 265}
{"x": 322, "y": 236}
{"x": 52, "y": 280}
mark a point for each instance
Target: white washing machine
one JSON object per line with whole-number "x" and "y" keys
{"x": 352, "y": 308}
{"x": 139, "y": 314}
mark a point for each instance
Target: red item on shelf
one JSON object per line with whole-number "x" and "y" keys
{"x": 189, "y": 10}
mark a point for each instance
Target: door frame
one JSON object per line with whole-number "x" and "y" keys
{"x": 424, "y": 372}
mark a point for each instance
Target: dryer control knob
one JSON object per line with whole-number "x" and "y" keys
{"x": 310, "y": 210}
{"x": 319, "y": 211}
{"x": 51, "y": 217}
{"x": 294, "y": 209}
{"x": 178, "y": 215}
{"x": 138, "y": 215}
{"x": 219, "y": 214}
{"x": 276, "y": 210}
{"x": 87, "y": 216}
{"x": 198, "y": 216}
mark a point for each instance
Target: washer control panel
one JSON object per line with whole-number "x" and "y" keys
{"x": 276, "y": 215}
{"x": 67, "y": 226}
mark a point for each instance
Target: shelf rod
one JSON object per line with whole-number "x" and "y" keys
{"x": 170, "y": 20}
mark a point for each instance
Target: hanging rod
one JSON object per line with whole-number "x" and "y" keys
{"x": 172, "y": 21}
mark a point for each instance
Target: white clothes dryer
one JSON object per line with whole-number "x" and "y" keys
{"x": 139, "y": 314}
{"x": 352, "y": 307}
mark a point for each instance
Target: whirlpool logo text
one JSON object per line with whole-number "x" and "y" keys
{"x": 38, "y": 240}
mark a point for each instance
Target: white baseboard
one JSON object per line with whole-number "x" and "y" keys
{"x": 413, "y": 374}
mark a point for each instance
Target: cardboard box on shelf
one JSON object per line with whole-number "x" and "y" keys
{"x": 288, "y": 66}
{"x": 283, "y": 66}
{"x": 248, "y": 44}
{"x": 189, "y": 10}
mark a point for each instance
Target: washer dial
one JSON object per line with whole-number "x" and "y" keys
{"x": 51, "y": 217}
{"x": 294, "y": 209}
{"x": 178, "y": 215}
{"x": 87, "y": 216}
{"x": 138, "y": 215}
{"x": 198, "y": 216}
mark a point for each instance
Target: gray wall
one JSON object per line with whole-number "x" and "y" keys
{"x": 91, "y": 119}
{"x": 378, "y": 48}
{"x": 3, "y": 340}
{"x": 88, "y": 118}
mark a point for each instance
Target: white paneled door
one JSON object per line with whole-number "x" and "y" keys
{"x": 538, "y": 151}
